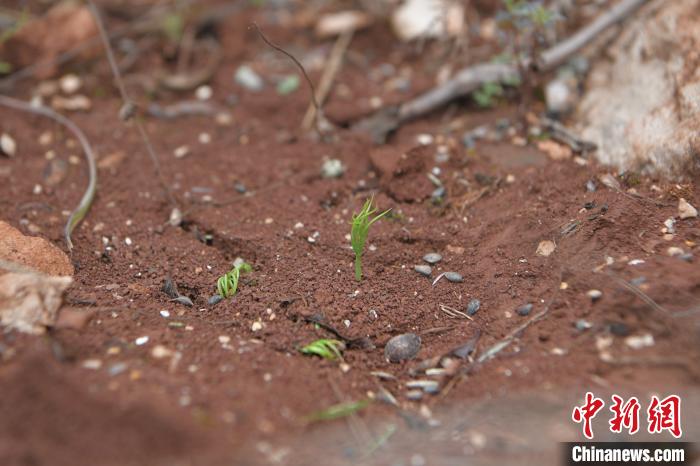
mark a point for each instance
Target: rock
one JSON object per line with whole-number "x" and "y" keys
{"x": 473, "y": 307}
{"x": 29, "y": 302}
{"x": 560, "y": 95}
{"x": 432, "y": 258}
{"x": 414, "y": 395}
{"x": 43, "y": 39}
{"x": 595, "y": 295}
{"x": 619, "y": 329}
{"x": 423, "y": 270}
{"x": 428, "y": 386}
{"x": 184, "y": 300}
{"x": 75, "y": 103}
{"x": 670, "y": 225}
{"x": 70, "y": 84}
{"x": 435, "y": 19}
{"x": 203, "y": 92}
{"x": 214, "y": 300}
{"x": 524, "y": 310}
{"x": 686, "y": 210}
{"x": 33, "y": 252}
{"x": 438, "y": 194}
{"x": 640, "y": 106}
{"x": 453, "y": 277}
{"x": 582, "y": 325}
{"x": 288, "y": 84}
{"x": 332, "y": 168}
{"x": 590, "y": 186}
{"x": 402, "y": 347}
{"x": 674, "y": 251}
{"x": 8, "y": 146}
{"x": 246, "y": 77}
{"x": 640, "y": 341}
{"x": 545, "y": 248}
{"x": 334, "y": 24}
{"x": 554, "y": 150}
{"x": 688, "y": 257}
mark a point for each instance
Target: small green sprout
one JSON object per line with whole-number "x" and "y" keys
{"x": 326, "y": 348}
{"x": 338, "y": 411}
{"x": 360, "y": 228}
{"x": 227, "y": 285}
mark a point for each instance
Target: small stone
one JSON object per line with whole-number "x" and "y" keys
{"x": 453, "y": 277}
{"x": 181, "y": 152}
{"x": 425, "y": 270}
{"x": 670, "y": 224}
{"x": 175, "y": 217}
{"x": 402, "y": 347}
{"x": 140, "y": 341}
{"x": 590, "y": 186}
{"x": 432, "y": 258}
{"x": 165, "y": 313}
{"x": 70, "y": 84}
{"x": 214, "y": 300}
{"x": 8, "y": 146}
{"x": 473, "y": 307}
{"x": 619, "y": 329}
{"x": 246, "y": 77}
{"x": 75, "y": 103}
{"x": 160, "y": 352}
{"x": 640, "y": 341}
{"x": 524, "y": 310}
{"x": 545, "y": 248}
{"x": 674, "y": 251}
{"x": 438, "y": 194}
{"x": 92, "y": 364}
{"x": 428, "y": 386}
{"x": 424, "y": 139}
{"x": 414, "y": 395}
{"x": 688, "y": 257}
{"x": 583, "y": 324}
{"x": 595, "y": 295}
{"x": 686, "y": 210}
{"x": 184, "y": 300}
{"x": 204, "y": 138}
{"x": 239, "y": 187}
{"x": 288, "y": 84}
{"x": 203, "y": 92}
{"x": 257, "y": 326}
{"x": 332, "y": 168}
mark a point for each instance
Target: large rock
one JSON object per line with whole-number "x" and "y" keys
{"x": 29, "y": 302}
{"x": 642, "y": 106}
{"x": 33, "y": 252}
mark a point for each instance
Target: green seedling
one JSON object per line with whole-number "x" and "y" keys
{"x": 338, "y": 411}
{"x": 327, "y": 349}
{"x": 227, "y": 285}
{"x": 360, "y": 228}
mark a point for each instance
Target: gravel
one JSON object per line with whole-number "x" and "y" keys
{"x": 432, "y": 258}
{"x": 524, "y": 310}
{"x": 425, "y": 270}
{"x": 473, "y": 307}
{"x": 402, "y": 347}
{"x": 454, "y": 277}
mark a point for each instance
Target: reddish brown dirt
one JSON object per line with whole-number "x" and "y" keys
{"x": 245, "y": 401}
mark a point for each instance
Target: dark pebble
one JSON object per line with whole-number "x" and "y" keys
{"x": 214, "y": 300}
{"x": 582, "y": 325}
{"x": 184, "y": 300}
{"x": 688, "y": 257}
{"x": 240, "y": 188}
{"x": 423, "y": 270}
{"x": 619, "y": 329}
{"x": 170, "y": 288}
{"x": 524, "y": 310}
{"x": 402, "y": 347}
{"x": 473, "y": 307}
{"x": 453, "y": 277}
{"x": 432, "y": 258}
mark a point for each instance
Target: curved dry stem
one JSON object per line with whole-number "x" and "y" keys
{"x": 79, "y": 213}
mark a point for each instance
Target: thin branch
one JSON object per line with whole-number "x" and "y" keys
{"x": 471, "y": 78}
{"x": 128, "y": 104}
{"x": 334, "y": 62}
{"x": 314, "y": 101}
{"x": 79, "y": 213}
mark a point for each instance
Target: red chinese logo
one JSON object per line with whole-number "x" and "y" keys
{"x": 665, "y": 415}
{"x": 661, "y": 415}
{"x": 625, "y": 415}
{"x": 587, "y": 412}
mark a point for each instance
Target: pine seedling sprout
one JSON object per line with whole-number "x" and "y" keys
{"x": 325, "y": 348}
{"x": 359, "y": 231}
{"x": 227, "y": 285}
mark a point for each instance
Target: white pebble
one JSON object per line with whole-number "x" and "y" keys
{"x": 686, "y": 210}
{"x": 181, "y": 152}
{"x": 203, "y": 92}
{"x": 165, "y": 313}
{"x": 256, "y": 326}
{"x": 70, "y": 84}
{"x": 141, "y": 341}
{"x": 8, "y": 146}
{"x": 204, "y": 138}
{"x": 92, "y": 364}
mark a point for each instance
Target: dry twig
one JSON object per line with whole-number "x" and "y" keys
{"x": 86, "y": 201}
